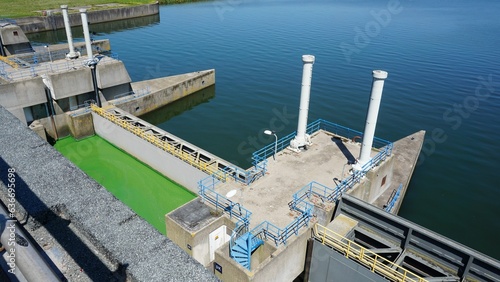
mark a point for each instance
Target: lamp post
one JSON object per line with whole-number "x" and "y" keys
{"x": 269, "y": 132}
{"x": 50, "y": 54}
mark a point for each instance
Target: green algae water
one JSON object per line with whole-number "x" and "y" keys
{"x": 150, "y": 194}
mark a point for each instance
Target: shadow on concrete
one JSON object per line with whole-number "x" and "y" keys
{"x": 57, "y": 222}
{"x": 167, "y": 112}
{"x": 350, "y": 158}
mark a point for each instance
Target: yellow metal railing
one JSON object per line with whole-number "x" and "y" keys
{"x": 9, "y": 62}
{"x": 364, "y": 256}
{"x": 165, "y": 146}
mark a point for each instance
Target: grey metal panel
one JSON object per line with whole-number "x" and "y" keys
{"x": 329, "y": 265}
{"x": 437, "y": 250}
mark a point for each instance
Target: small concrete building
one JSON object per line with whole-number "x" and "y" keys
{"x": 13, "y": 41}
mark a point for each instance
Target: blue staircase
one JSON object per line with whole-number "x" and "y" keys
{"x": 243, "y": 247}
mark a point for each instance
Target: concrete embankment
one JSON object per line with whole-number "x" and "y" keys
{"x": 89, "y": 234}
{"x": 55, "y": 20}
{"x": 164, "y": 91}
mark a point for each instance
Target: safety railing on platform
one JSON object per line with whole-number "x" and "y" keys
{"x": 32, "y": 68}
{"x": 223, "y": 204}
{"x": 393, "y": 198}
{"x": 269, "y": 231}
{"x": 369, "y": 259}
{"x": 260, "y": 156}
{"x": 206, "y": 191}
{"x": 134, "y": 127}
{"x": 311, "y": 190}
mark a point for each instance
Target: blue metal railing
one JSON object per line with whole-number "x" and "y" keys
{"x": 393, "y": 199}
{"x": 300, "y": 201}
{"x": 259, "y": 157}
{"x": 269, "y": 231}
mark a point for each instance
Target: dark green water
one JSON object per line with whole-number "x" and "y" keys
{"x": 148, "y": 193}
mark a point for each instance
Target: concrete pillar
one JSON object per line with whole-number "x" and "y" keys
{"x": 302, "y": 138}
{"x": 72, "y": 54}
{"x": 86, "y": 33}
{"x": 371, "y": 117}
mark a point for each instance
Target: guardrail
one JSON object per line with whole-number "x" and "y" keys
{"x": 260, "y": 156}
{"x": 393, "y": 198}
{"x": 177, "y": 152}
{"x": 373, "y": 261}
{"x": 35, "y": 69}
{"x": 266, "y": 230}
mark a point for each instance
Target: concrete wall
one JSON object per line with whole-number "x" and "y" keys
{"x": 71, "y": 83}
{"x": 18, "y": 95}
{"x": 12, "y": 35}
{"x": 198, "y": 241}
{"x": 112, "y": 74}
{"x": 170, "y": 166}
{"x": 285, "y": 264}
{"x": 57, "y": 126}
{"x": 88, "y": 233}
{"x": 164, "y": 91}
{"x": 53, "y": 22}
{"x": 14, "y": 40}
{"x": 81, "y": 125}
{"x": 370, "y": 188}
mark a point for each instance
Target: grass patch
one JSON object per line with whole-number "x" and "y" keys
{"x": 29, "y": 8}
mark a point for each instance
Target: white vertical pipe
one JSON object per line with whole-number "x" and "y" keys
{"x": 86, "y": 33}
{"x": 371, "y": 117}
{"x": 302, "y": 139}
{"x": 72, "y": 54}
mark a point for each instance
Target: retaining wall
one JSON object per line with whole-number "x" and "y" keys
{"x": 163, "y": 162}
{"x": 164, "y": 91}
{"x": 53, "y": 22}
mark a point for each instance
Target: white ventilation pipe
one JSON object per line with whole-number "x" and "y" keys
{"x": 72, "y": 54}
{"x": 371, "y": 117}
{"x": 302, "y": 138}
{"x": 86, "y": 33}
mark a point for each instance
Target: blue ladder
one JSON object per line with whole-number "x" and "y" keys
{"x": 243, "y": 247}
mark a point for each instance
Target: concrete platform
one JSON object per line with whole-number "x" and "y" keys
{"x": 406, "y": 151}
{"x": 268, "y": 197}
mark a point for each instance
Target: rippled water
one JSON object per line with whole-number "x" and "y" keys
{"x": 437, "y": 53}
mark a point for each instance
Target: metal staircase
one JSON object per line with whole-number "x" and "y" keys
{"x": 242, "y": 248}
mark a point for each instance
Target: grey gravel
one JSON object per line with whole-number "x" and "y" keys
{"x": 88, "y": 233}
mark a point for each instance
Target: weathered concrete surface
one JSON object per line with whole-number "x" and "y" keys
{"x": 189, "y": 227}
{"x": 81, "y": 125}
{"x": 158, "y": 159}
{"x": 17, "y": 95}
{"x": 164, "y": 91}
{"x": 405, "y": 153}
{"x": 112, "y": 74}
{"x": 89, "y": 233}
{"x": 13, "y": 40}
{"x": 55, "y": 21}
{"x": 71, "y": 83}
{"x": 375, "y": 183}
{"x": 268, "y": 197}
{"x": 283, "y": 264}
